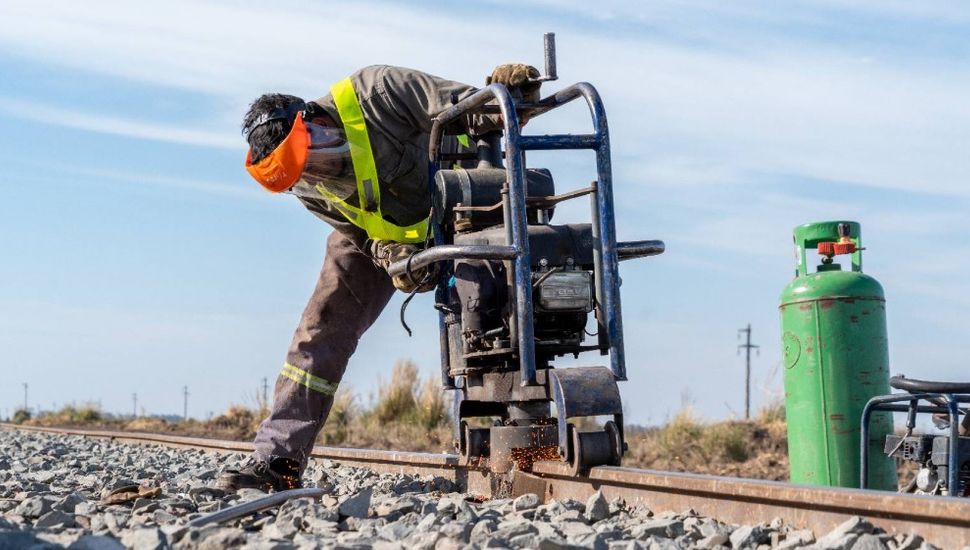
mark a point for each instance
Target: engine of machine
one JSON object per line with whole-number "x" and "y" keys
{"x": 562, "y": 265}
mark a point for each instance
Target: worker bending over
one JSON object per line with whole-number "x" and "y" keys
{"x": 358, "y": 159}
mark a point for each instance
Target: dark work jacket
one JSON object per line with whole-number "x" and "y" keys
{"x": 398, "y": 106}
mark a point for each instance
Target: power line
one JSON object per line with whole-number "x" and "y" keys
{"x": 748, "y": 346}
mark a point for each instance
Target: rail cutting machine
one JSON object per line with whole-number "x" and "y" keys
{"x": 492, "y": 213}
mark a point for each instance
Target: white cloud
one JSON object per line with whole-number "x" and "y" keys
{"x": 801, "y": 115}
{"x": 60, "y": 116}
{"x": 769, "y": 104}
{"x": 224, "y": 48}
{"x": 940, "y": 12}
{"x": 240, "y": 190}
{"x": 671, "y": 11}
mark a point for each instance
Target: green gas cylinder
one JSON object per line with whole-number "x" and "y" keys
{"x": 836, "y": 357}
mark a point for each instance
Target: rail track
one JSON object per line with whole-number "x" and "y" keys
{"x": 944, "y": 522}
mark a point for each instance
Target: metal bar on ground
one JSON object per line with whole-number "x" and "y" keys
{"x": 253, "y": 506}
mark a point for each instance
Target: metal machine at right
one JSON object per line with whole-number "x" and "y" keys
{"x": 942, "y": 460}
{"x": 516, "y": 289}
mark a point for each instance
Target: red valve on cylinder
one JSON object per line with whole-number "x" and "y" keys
{"x": 844, "y": 245}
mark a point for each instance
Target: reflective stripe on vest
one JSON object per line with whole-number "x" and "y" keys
{"x": 369, "y": 217}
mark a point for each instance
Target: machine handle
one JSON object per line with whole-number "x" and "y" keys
{"x": 451, "y": 252}
{"x": 629, "y": 250}
{"x": 549, "y": 48}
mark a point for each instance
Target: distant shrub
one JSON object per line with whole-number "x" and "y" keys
{"x": 772, "y": 412}
{"x": 404, "y": 400}
{"x": 725, "y": 441}
{"x": 678, "y": 438}
{"x": 147, "y": 424}
{"x": 432, "y": 410}
{"x": 20, "y": 416}
{"x": 235, "y": 417}
{"x": 396, "y": 400}
{"x": 71, "y": 415}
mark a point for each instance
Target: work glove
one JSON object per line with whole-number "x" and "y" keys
{"x": 517, "y": 76}
{"x": 386, "y": 253}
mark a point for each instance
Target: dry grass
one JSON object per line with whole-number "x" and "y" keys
{"x": 343, "y": 414}
{"x": 397, "y": 400}
{"x": 756, "y": 448}
{"x": 432, "y": 411}
{"x": 406, "y": 400}
{"x": 406, "y": 415}
{"x": 69, "y": 415}
{"x": 239, "y": 420}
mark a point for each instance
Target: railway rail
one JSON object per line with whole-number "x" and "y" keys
{"x": 942, "y": 521}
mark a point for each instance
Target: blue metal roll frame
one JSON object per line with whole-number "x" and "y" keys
{"x": 516, "y": 250}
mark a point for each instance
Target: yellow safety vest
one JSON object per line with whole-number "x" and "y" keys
{"x": 369, "y": 217}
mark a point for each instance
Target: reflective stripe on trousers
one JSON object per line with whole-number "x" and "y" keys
{"x": 315, "y": 383}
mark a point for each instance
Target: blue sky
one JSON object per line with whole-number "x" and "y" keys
{"x": 138, "y": 256}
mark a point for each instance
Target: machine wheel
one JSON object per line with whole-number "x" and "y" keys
{"x": 617, "y": 439}
{"x": 589, "y": 449}
{"x": 475, "y": 442}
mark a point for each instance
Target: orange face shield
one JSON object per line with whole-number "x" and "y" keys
{"x": 282, "y": 168}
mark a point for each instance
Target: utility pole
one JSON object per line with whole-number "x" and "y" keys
{"x": 748, "y": 346}
{"x": 25, "y": 397}
{"x": 134, "y": 405}
{"x": 265, "y": 392}
{"x": 185, "y": 403}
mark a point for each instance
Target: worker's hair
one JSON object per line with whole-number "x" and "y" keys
{"x": 266, "y": 137}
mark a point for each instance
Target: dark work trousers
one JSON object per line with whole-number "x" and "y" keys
{"x": 349, "y": 296}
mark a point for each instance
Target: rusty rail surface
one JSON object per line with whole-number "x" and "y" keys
{"x": 942, "y": 521}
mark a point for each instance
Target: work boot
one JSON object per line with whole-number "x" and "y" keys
{"x": 276, "y": 474}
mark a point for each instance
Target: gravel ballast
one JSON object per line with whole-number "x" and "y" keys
{"x": 59, "y": 491}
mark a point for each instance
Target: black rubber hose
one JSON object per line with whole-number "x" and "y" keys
{"x": 913, "y": 385}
